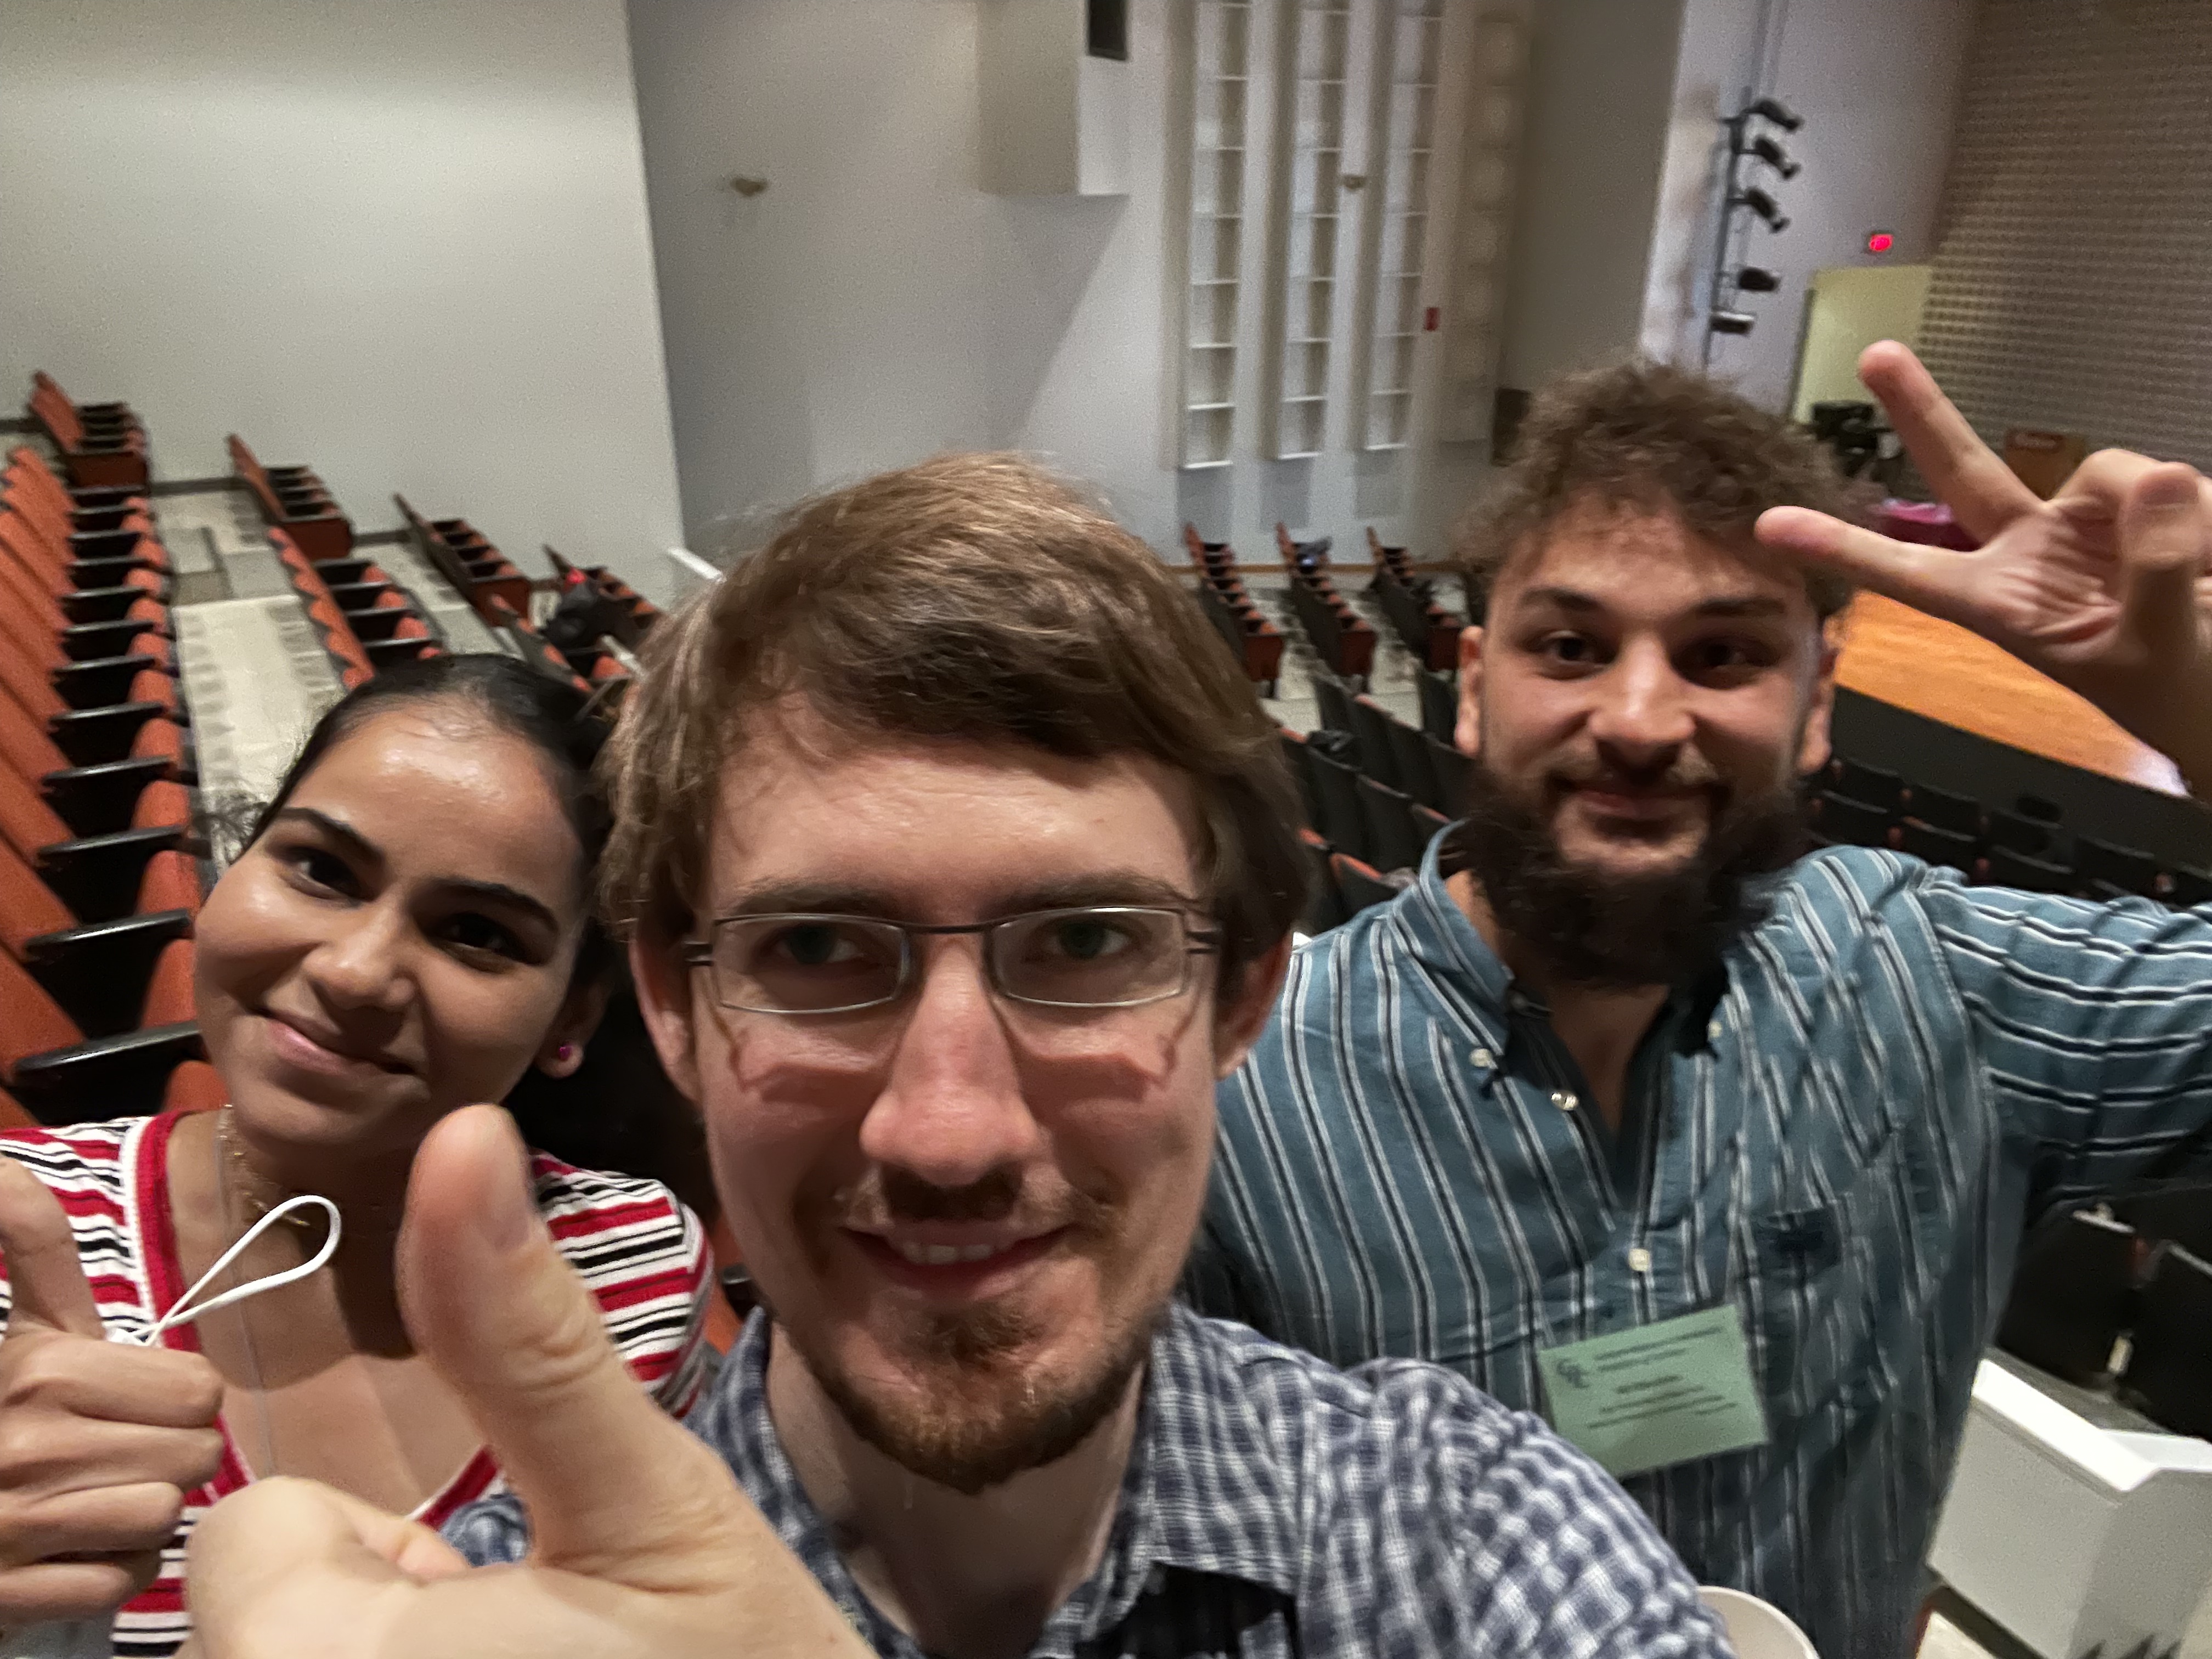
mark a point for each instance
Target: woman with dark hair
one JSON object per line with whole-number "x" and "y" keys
{"x": 407, "y": 930}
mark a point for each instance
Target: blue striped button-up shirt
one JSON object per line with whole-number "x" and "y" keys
{"x": 1843, "y": 1135}
{"x": 1275, "y": 1506}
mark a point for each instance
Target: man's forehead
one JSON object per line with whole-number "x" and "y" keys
{"x": 1631, "y": 555}
{"x": 943, "y": 823}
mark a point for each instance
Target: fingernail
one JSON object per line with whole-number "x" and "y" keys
{"x": 2162, "y": 492}
{"x": 507, "y": 1215}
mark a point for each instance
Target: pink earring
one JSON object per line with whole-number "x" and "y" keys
{"x": 565, "y": 1052}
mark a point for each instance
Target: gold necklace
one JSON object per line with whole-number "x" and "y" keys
{"x": 252, "y": 1185}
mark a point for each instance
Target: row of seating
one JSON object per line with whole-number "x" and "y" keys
{"x": 292, "y": 499}
{"x": 479, "y": 572}
{"x": 1339, "y": 635}
{"x": 364, "y": 619}
{"x": 1429, "y": 632}
{"x": 2026, "y": 846}
{"x": 2097, "y": 1276}
{"x": 103, "y": 446}
{"x": 1257, "y": 642}
{"x": 99, "y": 881}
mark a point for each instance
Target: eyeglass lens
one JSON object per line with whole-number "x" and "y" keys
{"x": 1081, "y": 958}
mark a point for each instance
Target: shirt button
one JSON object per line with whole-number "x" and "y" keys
{"x": 1639, "y": 1260}
{"x": 1483, "y": 1058}
{"x": 1713, "y": 1032}
{"x": 1564, "y": 1100}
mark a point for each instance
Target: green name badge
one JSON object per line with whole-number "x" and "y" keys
{"x": 1658, "y": 1394}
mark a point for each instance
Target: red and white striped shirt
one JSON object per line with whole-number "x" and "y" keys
{"x": 643, "y": 1254}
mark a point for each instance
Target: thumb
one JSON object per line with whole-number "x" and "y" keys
{"x": 46, "y": 1279}
{"x": 616, "y": 1488}
{"x": 2164, "y": 534}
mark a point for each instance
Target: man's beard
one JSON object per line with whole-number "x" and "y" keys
{"x": 968, "y": 1411}
{"x": 1616, "y": 932}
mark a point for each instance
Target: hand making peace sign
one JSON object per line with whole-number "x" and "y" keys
{"x": 2104, "y": 587}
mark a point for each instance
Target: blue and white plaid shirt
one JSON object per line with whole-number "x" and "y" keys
{"x": 1844, "y": 1136}
{"x": 1273, "y": 1505}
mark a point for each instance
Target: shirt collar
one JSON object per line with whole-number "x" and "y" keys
{"x": 1204, "y": 1491}
{"x": 1439, "y": 936}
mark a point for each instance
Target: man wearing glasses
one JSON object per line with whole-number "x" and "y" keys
{"x": 961, "y": 864}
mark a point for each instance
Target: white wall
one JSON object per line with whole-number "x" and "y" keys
{"x": 873, "y": 305}
{"x": 1878, "y": 82}
{"x": 403, "y": 242}
{"x": 1599, "y": 88}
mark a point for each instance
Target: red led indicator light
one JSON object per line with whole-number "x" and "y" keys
{"x": 1880, "y": 241}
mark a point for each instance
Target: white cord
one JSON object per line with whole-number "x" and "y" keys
{"x": 90, "y": 1638}
{"x": 183, "y": 1313}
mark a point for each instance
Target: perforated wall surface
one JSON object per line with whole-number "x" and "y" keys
{"x": 2072, "y": 285}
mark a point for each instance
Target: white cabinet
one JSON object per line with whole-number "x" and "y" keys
{"x": 1055, "y": 99}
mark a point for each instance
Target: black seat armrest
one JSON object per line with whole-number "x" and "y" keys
{"x": 99, "y": 681}
{"x": 106, "y": 1077}
{"x": 99, "y": 972}
{"x": 106, "y": 603}
{"x": 97, "y": 875}
{"x": 99, "y": 799}
{"x": 107, "y": 573}
{"x": 89, "y": 641}
{"x": 105, "y": 498}
{"x": 90, "y": 736}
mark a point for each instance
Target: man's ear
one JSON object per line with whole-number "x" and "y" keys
{"x": 1467, "y": 732}
{"x": 664, "y": 996}
{"x": 1238, "y": 1021}
{"x": 562, "y": 1051}
{"x": 1816, "y": 745}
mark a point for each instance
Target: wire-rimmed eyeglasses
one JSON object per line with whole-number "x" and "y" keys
{"x": 1100, "y": 956}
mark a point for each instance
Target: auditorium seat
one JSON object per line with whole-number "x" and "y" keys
{"x": 1393, "y": 841}
{"x": 1341, "y": 822}
{"x": 195, "y": 1086}
{"x": 2005, "y": 868}
{"x": 2124, "y": 868}
{"x": 2072, "y": 1295}
{"x": 99, "y": 973}
{"x": 91, "y": 799}
{"x": 1409, "y": 751}
{"x": 97, "y": 877}
{"x": 1440, "y": 706}
{"x": 1324, "y": 905}
{"x": 12, "y": 1114}
{"x": 1877, "y": 786}
{"x": 1333, "y": 699}
{"x": 1359, "y": 884}
{"x": 2169, "y": 1374}
{"x": 1452, "y": 770}
{"x": 60, "y": 1076}
{"x": 1842, "y": 821}
{"x": 292, "y": 499}
{"x": 1427, "y": 629}
{"x": 1940, "y": 809}
{"x": 466, "y": 557}
{"x": 1294, "y": 754}
{"x": 1378, "y": 755}
{"x": 108, "y": 449}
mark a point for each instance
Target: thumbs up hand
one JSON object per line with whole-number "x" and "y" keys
{"x": 645, "y": 1545}
{"x": 98, "y": 1441}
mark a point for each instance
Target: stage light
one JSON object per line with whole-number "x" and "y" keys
{"x": 1775, "y": 156}
{"x": 1780, "y": 113}
{"x": 1758, "y": 279}
{"x": 1731, "y": 322}
{"x": 1763, "y": 205}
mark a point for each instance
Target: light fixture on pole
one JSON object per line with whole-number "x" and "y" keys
{"x": 1745, "y": 144}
